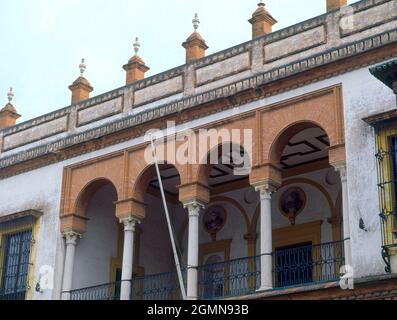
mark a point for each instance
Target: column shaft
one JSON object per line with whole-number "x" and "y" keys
{"x": 71, "y": 242}
{"x": 128, "y": 257}
{"x": 266, "y": 237}
{"x": 346, "y": 221}
{"x": 193, "y": 251}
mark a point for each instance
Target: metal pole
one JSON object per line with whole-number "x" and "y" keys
{"x": 177, "y": 263}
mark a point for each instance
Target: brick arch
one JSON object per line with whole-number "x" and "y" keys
{"x": 139, "y": 162}
{"x": 276, "y": 149}
{"x": 323, "y": 109}
{"x": 141, "y": 183}
{"x": 86, "y": 194}
{"x": 74, "y": 215}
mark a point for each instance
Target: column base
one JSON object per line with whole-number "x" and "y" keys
{"x": 191, "y": 298}
{"x": 65, "y": 296}
{"x": 265, "y": 288}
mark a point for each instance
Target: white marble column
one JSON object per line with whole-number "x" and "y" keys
{"x": 128, "y": 257}
{"x": 193, "y": 249}
{"x": 346, "y": 222}
{"x": 71, "y": 238}
{"x": 266, "y": 237}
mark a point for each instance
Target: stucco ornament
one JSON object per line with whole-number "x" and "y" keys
{"x": 292, "y": 203}
{"x": 214, "y": 220}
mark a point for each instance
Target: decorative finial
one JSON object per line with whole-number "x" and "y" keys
{"x": 82, "y": 67}
{"x": 137, "y": 46}
{"x": 261, "y": 3}
{"x": 10, "y": 95}
{"x": 196, "y": 22}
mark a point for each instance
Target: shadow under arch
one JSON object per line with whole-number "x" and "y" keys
{"x": 231, "y": 153}
{"x": 89, "y": 190}
{"x": 141, "y": 184}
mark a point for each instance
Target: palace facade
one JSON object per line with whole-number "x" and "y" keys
{"x": 81, "y": 212}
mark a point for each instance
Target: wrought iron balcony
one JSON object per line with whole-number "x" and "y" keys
{"x": 308, "y": 264}
{"x": 297, "y": 266}
{"x": 229, "y": 279}
{"x": 109, "y": 291}
{"x": 162, "y": 286}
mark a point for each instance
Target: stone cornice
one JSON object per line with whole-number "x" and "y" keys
{"x": 226, "y": 92}
{"x": 211, "y": 59}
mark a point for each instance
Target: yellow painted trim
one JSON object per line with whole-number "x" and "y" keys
{"x": 33, "y": 254}
{"x": 386, "y": 199}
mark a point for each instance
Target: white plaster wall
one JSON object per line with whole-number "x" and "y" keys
{"x": 363, "y": 96}
{"x": 99, "y": 244}
{"x": 39, "y": 189}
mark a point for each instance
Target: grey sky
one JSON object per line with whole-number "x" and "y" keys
{"x": 43, "y": 41}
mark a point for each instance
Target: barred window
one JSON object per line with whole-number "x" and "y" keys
{"x": 386, "y": 154}
{"x": 16, "y": 239}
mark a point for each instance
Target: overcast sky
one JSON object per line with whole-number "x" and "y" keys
{"x": 43, "y": 41}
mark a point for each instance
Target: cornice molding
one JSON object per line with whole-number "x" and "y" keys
{"x": 252, "y": 84}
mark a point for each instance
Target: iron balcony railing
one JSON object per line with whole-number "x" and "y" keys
{"x": 308, "y": 264}
{"x": 291, "y": 267}
{"x": 229, "y": 279}
{"x": 297, "y": 266}
{"x": 109, "y": 291}
{"x": 164, "y": 286}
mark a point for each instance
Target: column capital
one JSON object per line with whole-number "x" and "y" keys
{"x": 342, "y": 170}
{"x": 130, "y": 223}
{"x": 266, "y": 190}
{"x": 71, "y": 237}
{"x": 194, "y": 208}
